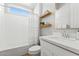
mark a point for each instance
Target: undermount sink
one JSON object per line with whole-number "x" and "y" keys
{"x": 59, "y": 35}
{"x": 62, "y": 38}
{"x": 71, "y": 38}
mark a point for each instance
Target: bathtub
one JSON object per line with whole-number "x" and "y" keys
{"x": 15, "y": 50}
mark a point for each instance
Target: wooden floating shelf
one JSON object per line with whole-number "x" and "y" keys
{"x": 45, "y": 26}
{"x": 46, "y": 14}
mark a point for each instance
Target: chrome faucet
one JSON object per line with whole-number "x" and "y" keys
{"x": 65, "y": 34}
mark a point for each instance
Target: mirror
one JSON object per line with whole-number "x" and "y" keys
{"x": 67, "y": 15}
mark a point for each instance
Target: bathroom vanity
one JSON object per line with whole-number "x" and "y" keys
{"x": 59, "y": 46}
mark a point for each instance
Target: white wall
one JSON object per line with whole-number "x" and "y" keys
{"x": 50, "y": 19}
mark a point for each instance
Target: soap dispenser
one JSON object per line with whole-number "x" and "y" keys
{"x": 77, "y": 34}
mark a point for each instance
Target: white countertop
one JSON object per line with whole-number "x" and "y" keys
{"x": 72, "y": 45}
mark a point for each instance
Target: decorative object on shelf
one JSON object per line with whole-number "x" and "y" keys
{"x": 42, "y": 23}
{"x": 77, "y": 35}
{"x": 67, "y": 26}
{"x": 45, "y": 25}
{"x": 46, "y": 14}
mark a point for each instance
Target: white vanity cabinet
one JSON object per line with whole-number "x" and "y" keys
{"x": 49, "y": 49}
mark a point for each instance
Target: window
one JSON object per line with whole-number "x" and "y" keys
{"x": 18, "y": 11}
